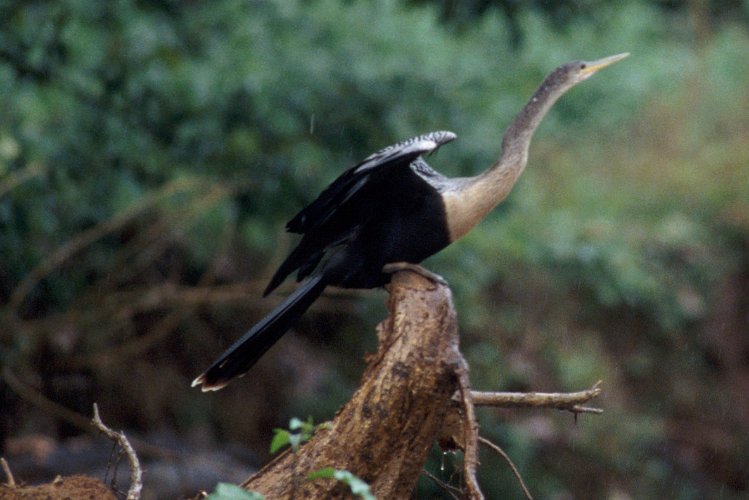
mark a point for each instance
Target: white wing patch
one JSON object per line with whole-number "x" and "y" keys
{"x": 416, "y": 145}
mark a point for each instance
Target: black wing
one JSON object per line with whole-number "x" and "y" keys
{"x": 326, "y": 221}
{"x": 347, "y": 184}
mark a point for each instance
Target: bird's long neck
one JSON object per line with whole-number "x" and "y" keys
{"x": 476, "y": 196}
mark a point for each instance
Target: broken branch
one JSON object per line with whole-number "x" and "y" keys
{"x": 569, "y": 401}
{"x": 136, "y": 474}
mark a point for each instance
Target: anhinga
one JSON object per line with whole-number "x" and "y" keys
{"x": 392, "y": 209}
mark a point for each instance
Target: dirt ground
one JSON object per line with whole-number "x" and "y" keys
{"x": 78, "y": 487}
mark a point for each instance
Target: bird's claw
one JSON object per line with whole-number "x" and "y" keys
{"x": 394, "y": 267}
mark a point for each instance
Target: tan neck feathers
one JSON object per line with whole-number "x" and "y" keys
{"x": 474, "y": 198}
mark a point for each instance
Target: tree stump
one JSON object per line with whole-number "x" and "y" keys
{"x": 385, "y": 432}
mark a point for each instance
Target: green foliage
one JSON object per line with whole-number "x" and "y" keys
{"x": 358, "y": 487}
{"x": 111, "y": 111}
{"x": 300, "y": 431}
{"x": 227, "y": 491}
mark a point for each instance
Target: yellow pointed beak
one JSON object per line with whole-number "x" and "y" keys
{"x": 593, "y": 66}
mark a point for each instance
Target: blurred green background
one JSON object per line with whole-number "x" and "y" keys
{"x": 151, "y": 151}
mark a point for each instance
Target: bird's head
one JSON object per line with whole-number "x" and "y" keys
{"x": 575, "y": 72}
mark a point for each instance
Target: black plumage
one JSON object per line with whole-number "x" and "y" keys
{"x": 391, "y": 208}
{"x": 381, "y": 211}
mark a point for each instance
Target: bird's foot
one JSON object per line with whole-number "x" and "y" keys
{"x": 394, "y": 267}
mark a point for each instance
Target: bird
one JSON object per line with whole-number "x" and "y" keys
{"x": 389, "y": 212}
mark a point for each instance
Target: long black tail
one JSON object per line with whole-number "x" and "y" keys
{"x": 246, "y": 351}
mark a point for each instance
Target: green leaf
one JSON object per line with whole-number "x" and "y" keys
{"x": 357, "y": 485}
{"x": 281, "y": 438}
{"x": 324, "y": 473}
{"x": 300, "y": 431}
{"x": 227, "y": 491}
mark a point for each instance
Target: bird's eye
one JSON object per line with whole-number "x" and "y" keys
{"x": 583, "y": 65}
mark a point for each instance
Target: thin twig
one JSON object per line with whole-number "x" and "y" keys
{"x": 569, "y": 401}
{"x": 136, "y": 474}
{"x": 510, "y": 463}
{"x": 8, "y": 474}
{"x": 448, "y": 488}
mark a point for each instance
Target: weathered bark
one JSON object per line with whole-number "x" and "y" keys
{"x": 385, "y": 432}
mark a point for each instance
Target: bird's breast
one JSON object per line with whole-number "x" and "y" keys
{"x": 469, "y": 200}
{"x": 463, "y": 212}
